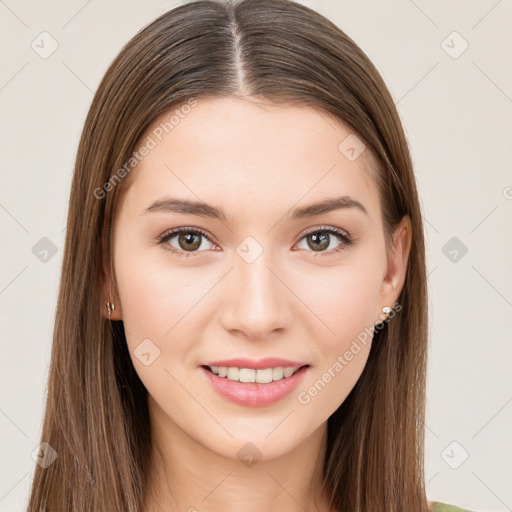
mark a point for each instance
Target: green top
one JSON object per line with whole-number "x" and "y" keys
{"x": 437, "y": 506}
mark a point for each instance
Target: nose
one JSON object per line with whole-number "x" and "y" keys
{"x": 256, "y": 300}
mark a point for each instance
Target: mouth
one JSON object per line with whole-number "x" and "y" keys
{"x": 252, "y": 375}
{"x": 254, "y": 387}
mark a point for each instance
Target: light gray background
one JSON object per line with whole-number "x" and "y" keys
{"x": 456, "y": 109}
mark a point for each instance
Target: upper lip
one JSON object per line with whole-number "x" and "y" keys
{"x": 260, "y": 364}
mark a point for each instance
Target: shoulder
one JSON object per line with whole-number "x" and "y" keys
{"x": 437, "y": 506}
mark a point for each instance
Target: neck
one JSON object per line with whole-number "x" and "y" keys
{"x": 185, "y": 475}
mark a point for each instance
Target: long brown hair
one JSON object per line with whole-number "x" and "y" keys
{"x": 96, "y": 416}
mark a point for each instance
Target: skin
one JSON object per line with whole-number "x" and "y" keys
{"x": 257, "y": 162}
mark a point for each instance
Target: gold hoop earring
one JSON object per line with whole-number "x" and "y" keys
{"x": 110, "y": 308}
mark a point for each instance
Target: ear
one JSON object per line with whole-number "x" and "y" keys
{"x": 396, "y": 270}
{"x": 109, "y": 286}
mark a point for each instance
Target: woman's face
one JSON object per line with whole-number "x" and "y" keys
{"x": 252, "y": 276}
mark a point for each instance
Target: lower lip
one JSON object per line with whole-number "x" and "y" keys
{"x": 253, "y": 394}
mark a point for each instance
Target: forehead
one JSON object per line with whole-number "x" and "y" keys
{"x": 235, "y": 152}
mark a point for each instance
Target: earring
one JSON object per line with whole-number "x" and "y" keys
{"x": 110, "y": 308}
{"x": 386, "y": 310}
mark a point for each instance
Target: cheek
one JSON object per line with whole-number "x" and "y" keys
{"x": 152, "y": 303}
{"x": 340, "y": 301}
{"x": 163, "y": 309}
{"x": 340, "y": 311}
{"x": 161, "y": 300}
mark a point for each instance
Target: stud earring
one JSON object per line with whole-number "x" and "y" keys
{"x": 110, "y": 308}
{"x": 386, "y": 310}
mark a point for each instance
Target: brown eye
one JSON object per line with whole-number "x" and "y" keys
{"x": 318, "y": 242}
{"x": 323, "y": 240}
{"x": 188, "y": 241}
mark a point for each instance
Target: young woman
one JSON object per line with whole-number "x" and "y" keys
{"x": 242, "y": 316}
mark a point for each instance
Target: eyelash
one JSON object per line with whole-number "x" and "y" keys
{"x": 343, "y": 236}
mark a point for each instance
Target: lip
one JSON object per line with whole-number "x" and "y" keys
{"x": 260, "y": 364}
{"x": 253, "y": 394}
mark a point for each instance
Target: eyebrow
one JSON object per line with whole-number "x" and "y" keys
{"x": 189, "y": 207}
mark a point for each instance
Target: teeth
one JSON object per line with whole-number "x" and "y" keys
{"x": 262, "y": 376}
{"x": 277, "y": 373}
{"x": 288, "y": 372}
{"x": 233, "y": 373}
{"x": 245, "y": 375}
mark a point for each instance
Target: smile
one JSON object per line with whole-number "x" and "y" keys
{"x": 252, "y": 387}
{"x": 260, "y": 376}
